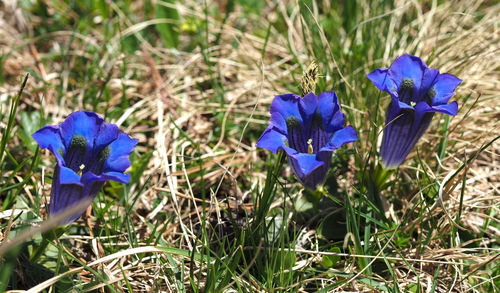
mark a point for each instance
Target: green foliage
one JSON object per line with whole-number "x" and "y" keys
{"x": 329, "y": 261}
{"x": 169, "y": 31}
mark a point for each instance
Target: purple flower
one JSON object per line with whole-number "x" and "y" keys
{"x": 308, "y": 129}
{"x": 417, "y": 92}
{"x": 88, "y": 153}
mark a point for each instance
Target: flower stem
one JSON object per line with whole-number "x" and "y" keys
{"x": 377, "y": 182}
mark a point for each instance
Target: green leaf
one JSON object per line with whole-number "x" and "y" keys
{"x": 185, "y": 253}
{"x": 30, "y": 123}
{"x": 103, "y": 8}
{"x": 329, "y": 261}
{"x": 169, "y": 31}
{"x": 303, "y": 205}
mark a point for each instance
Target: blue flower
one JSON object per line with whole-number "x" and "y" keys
{"x": 88, "y": 153}
{"x": 417, "y": 92}
{"x": 308, "y": 129}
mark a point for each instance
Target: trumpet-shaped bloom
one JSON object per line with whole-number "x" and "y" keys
{"x": 88, "y": 153}
{"x": 417, "y": 92}
{"x": 308, "y": 130}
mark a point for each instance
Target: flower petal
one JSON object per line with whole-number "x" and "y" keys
{"x": 119, "y": 151}
{"x": 397, "y": 134}
{"x": 78, "y": 132}
{"x": 402, "y": 134}
{"x": 444, "y": 87}
{"x": 278, "y": 122}
{"x": 81, "y": 123}
{"x": 396, "y": 107}
{"x": 107, "y": 134}
{"x": 399, "y": 131}
{"x": 336, "y": 123}
{"x": 90, "y": 177}
{"x": 68, "y": 176}
{"x": 407, "y": 67}
{"x": 271, "y": 140}
{"x": 328, "y": 107}
{"x": 307, "y": 106}
{"x": 86, "y": 124}
{"x": 328, "y": 104}
{"x": 339, "y": 138}
{"x": 50, "y": 136}
{"x": 64, "y": 197}
{"x": 66, "y": 191}
{"x": 308, "y": 169}
{"x": 450, "y": 109}
{"x": 382, "y": 81}
{"x": 428, "y": 80}
{"x": 287, "y": 105}
{"x": 66, "y": 129}
{"x": 116, "y": 176}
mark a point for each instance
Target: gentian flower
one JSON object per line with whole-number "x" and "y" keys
{"x": 417, "y": 92}
{"x": 308, "y": 130}
{"x": 88, "y": 153}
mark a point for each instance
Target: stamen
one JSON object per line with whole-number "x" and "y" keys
{"x": 406, "y": 90}
{"x": 310, "y": 147}
{"x": 82, "y": 166}
{"x": 429, "y": 95}
{"x": 76, "y": 152}
{"x": 413, "y": 104}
